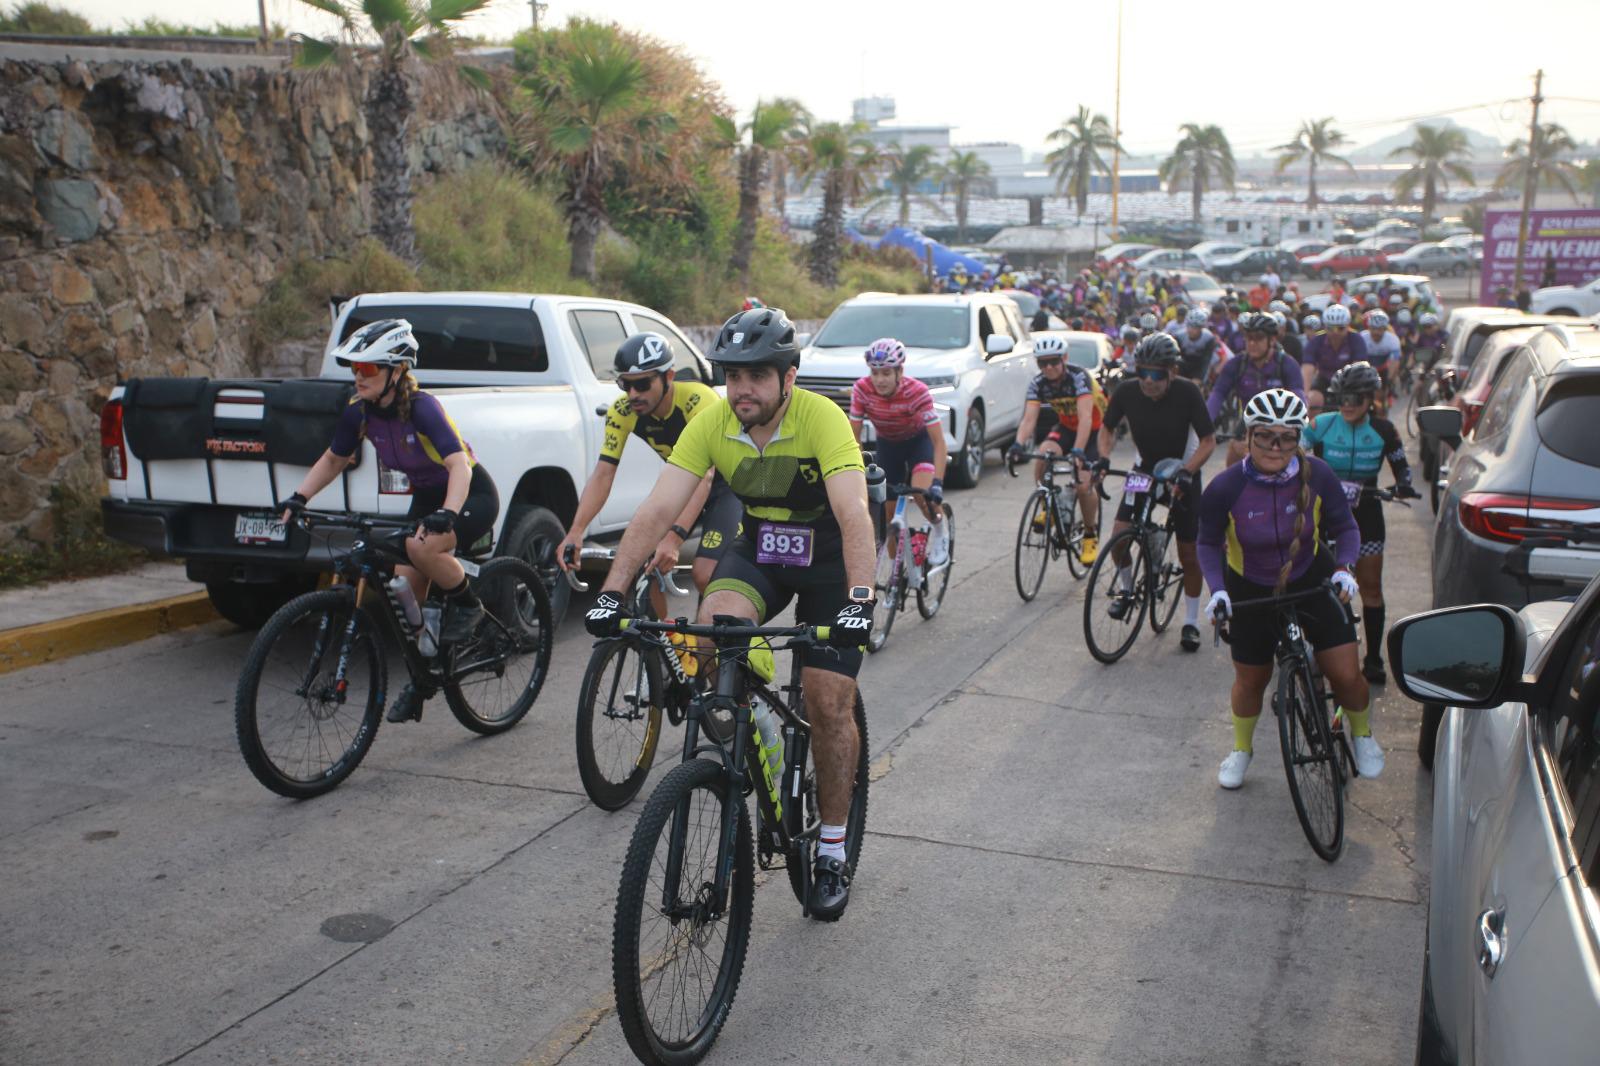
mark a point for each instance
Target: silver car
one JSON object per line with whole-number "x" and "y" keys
{"x": 1511, "y": 967}
{"x": 1435, "y": 260}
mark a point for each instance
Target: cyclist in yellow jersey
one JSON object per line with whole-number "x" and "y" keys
{"x": 657, "y": 408}
{"x": 792, "y": 460}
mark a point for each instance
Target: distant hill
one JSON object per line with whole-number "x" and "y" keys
{"x": 1482, "y": 145}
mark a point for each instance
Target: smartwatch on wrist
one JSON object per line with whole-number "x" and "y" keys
{"x": 860, "y": 593}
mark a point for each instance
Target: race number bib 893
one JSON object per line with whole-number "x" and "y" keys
{"x": 784, "y": 545}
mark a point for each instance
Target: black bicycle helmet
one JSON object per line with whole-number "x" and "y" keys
{"x": 1158, "y": 349}
{"x": 761, "y": 336}
{"x": 643, "y": 353}
{"x": 1259, "y": 322}
{"x": 1354, "y": 379}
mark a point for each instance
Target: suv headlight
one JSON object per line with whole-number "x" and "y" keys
{"x": 935, "y": 382}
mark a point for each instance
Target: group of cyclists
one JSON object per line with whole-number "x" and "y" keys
{"x": 775, "y": 478}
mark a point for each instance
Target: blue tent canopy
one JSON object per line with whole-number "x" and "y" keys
{"x": 943, "y": 258}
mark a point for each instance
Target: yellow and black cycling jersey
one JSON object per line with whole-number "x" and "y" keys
{"x": 785, "y": 481}
{"x": 689, "y": 398}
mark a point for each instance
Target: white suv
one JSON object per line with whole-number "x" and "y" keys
{"x": 1583, "y": 300}
{"x": 972, "y": 351}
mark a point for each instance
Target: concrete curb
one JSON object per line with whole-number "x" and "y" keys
{"x": 64, "y": 638}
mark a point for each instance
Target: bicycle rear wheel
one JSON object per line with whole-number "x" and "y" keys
{"x": 1115, "y": 604}
{"x": 1416, "y": 403}
{"x": 677, "y": 951}
{"x": 302, "y": 729}
{"x": 1033, "y": 545}
{"x": 1166, "y": 586}
{"x": 619, "y": 721}
{"x": 890, "y": 585}
{"x": 800, "y": 858}
{"x": 493, "y": 677}
{"x": 931, "y": 594}
{"x": 1310, "y": 761}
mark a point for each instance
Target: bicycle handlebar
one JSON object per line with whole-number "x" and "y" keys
{"x": 719, "y": 631}
{"x": 1219, "y": 621}
{"x": 577, "y": 584}
{"x": 307, "y": 520}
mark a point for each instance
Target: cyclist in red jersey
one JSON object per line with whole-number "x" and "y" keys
{"x": 911, "y": 447}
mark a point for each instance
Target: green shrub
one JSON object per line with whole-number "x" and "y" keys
{"x": 296, "y": 303}
{"x": 78, "y": 545}
{"x": 39, "y": 17}
{"x": 488, "y": 228}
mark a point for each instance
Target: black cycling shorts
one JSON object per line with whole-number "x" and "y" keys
{"x": 1056, "y": 430}
{"x": 821, "y": 590}
{"x": 1369, "y": 520}
{"x": 719, "y": 521}
{"x": 475, "y": 522}
{"x": 1185, "y": 511}
{"x": 898, "y": 458}
{"x": 1254, "y": 633}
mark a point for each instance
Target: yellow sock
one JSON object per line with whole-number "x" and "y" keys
{"x": 1244, "y": 731}
{"x": 1359, "y": 725}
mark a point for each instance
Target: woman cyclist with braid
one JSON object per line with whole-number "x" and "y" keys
{"x": 1260, "y": 522}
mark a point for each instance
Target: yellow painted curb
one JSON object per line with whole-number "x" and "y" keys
{"x": 46, "y": 642}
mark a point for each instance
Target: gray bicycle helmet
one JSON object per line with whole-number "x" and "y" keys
{"x": 761, "y": 336}
{"x": 643, "y": 353}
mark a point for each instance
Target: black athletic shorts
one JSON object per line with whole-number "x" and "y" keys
{"x": 1254, "y": 633}
{"x": 719, "y": 521}
{"x": 898, "y": 458}
{"x": 1369, "y": 520}
{"x": 1185, "y": 511}
{"x": 821, "y": 590}
{"x": 476, "y": 520}
{"x": 1057, "y": 431}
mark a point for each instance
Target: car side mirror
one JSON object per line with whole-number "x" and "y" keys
{"x": 1460, "y": 656}
{"x": 998, "y": 344}
{"x": 1443, "y": 422}
{"x": 601, "y": 409}
{"x": 802, "y": 340}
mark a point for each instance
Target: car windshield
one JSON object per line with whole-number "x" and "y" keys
{"x": 914, "y": 325}
{"x": 1084, "y": 353}
{"x": 1026, "y": 302}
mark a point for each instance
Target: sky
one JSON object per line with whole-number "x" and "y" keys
{"x": 998, "y": 74}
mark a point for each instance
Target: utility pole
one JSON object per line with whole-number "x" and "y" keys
{"x": 538, "y": 9}
{"x": 261, "y": 10}
{"x": 1116, "y": 133}
{"x": 1531, "y": 182}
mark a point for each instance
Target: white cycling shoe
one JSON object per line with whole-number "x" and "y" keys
{"x": 1368, "y": 755}
{"x": 1230, "y": 774}
{"x": 938, "y": 545}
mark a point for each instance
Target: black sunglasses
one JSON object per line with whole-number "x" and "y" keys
{"x": 636, "y": 384}
{"x": 1153, "y": 373}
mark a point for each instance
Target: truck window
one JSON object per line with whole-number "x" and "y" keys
{"x": 465, "y": 338}
{"x": 599, "y": 332}
{"x": 683, "y": 360}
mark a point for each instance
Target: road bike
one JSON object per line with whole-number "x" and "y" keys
{"x": 311, "y": 695}
{"x": 685, "y": 900}
{"x": 1133, "y": 577}
{"x": 1316, "y": 754}
{"x": 1051, "y": 525}
{"x": 903, "y": 564}
{"x": 1433, "y": 386}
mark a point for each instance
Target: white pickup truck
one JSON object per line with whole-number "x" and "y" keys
{"x": 194, "y": 465}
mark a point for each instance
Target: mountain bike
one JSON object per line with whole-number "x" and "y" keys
{"x": 1133, "y": 576}
{"x": 903, "y": 564}
{"x": 1051, "y": 525}
{"x": 685, "y": 900}
{"x": 1316, "y": 754}
{"x": 311, "y": 695}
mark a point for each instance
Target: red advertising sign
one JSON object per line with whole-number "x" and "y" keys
{"x": 1561, "y": 242}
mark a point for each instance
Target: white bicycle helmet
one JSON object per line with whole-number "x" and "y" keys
{"x": 1276, "y": 407}
{"x": 1279, "y": 307}
{"x": 1197, "y": 318}
{"x": 1049, "y": 347}
{"x": 1265, "y": 279}
{"x": 1377, "y": 320}
{"x": 888, "y": 352}
{"x": 1403, "y": 317}
{"x": 1428, "y": 319}
{"x": 1311, "y": 323}
{"x": 1281, "y": 318}
{"x": 387, "y": 342}
{"x": 1336, "y": 315}
{"x": 1148, "y": 322}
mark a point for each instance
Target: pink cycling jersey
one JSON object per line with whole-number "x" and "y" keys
{"x": 902, "y": 416}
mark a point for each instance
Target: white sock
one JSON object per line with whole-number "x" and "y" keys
{"x": 1125, "y": 578}
{"x": 1191, "y": 610}
{"x": 830, "y": 841}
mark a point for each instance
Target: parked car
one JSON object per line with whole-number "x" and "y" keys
{"x": 1418, "y": 292}
{"x": 1305, "y": 247}
{"x": 1252, "y": 263}
{"x": 1201, "y": 287}
{"x": 1581, "y": 300}
{"x": 1209, "y": 251}
{"x": 1342, "y": 259}
{"x": 1531, "y": 460}
{"x": 1123, "y": 252}
{"x": 973, "y": 351}
{"x": 1388, "y": 245}
{"x": 1511, "y": 956}
{"x": 1435, "y": 260}
{"x": 1168, "y": 259}
{"x": 1085, "y": 348}
{"x": 1029, "y": 305}
{"x": 1471, "y": 242}
{"x": 190, "y": 462}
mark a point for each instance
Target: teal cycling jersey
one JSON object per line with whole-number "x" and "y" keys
{"x": 1357, "y": 452}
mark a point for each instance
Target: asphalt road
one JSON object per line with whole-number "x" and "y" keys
{"x": 1050, "y": 872}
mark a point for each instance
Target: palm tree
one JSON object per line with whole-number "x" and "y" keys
{"x": 907, "y": 171}
{"x": 1589, "y": 178}
{"x": 768, "y": 131}
{"x": 961, "y": 173}
{"x": 407, "y": 30}
{"x": 1313, "y": 142}
{"x": 1081, "y": 138}
{"x": 845, "y": 161}
{"x": 1201, "y": 159}
{"x": 1550, "y": 141}
{"x": 786, "y": 158}
{"x": 1434, "y": 148}
{"x": 590, "y": 119}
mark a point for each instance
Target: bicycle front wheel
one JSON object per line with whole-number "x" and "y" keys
{"x": 677, "y": 949}
{"x": 1115, "y": 603}
{"x": 1310, "y": 761}
{"x": 1166, "y": 585}
{"x": 931, "y": 594}
{"x": 619, "y": 721}
{"x": 1033, "y": 545}
{"x": 494, "y": 676}
{"x": 1079, "y": 530}
{"x": 302, "y": 726}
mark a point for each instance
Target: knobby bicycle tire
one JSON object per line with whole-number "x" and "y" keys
{"x": 1104, "y": 590}
{"x": 288, "y": 640}
{"x": 1030, "y": 573}
{"x": 1165, "y": 586}
{"x": 1310, "y": 761}
{"x": 927, "y": 603}
{"x": 855, "y": 826}
{"x": 638, "y": 982}
{"x": 518, "y": 608}
{"x": 617, "y": 669}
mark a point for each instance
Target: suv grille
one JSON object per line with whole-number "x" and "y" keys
{"x": 836, "y": 389}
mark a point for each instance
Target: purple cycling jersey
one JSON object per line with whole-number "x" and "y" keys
{"x": 1321, "y": 353}
{"x": 1244, "y": 377}
{"x": 417, "y": 446}
{"x": 1247, "y": 521}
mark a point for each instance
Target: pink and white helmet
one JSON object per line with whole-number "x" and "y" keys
{"x": 886, "y": 351}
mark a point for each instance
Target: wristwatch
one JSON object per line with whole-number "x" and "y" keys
{"x": 683, "y": 534}
{"x": 860, "y": 593}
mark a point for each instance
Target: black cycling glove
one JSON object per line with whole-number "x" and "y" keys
{"x": 1016, "y": 452}
{"x": 441, "y": 521}
{"x": 1405, "y": 491}
{"x": 936, "y": 492}
{"x": 294, "y": 505}
{"x": 604, "y": 619}
{"x": 852, "y": 625}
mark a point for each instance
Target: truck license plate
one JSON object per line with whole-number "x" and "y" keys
{"x": 259, "y": 529}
